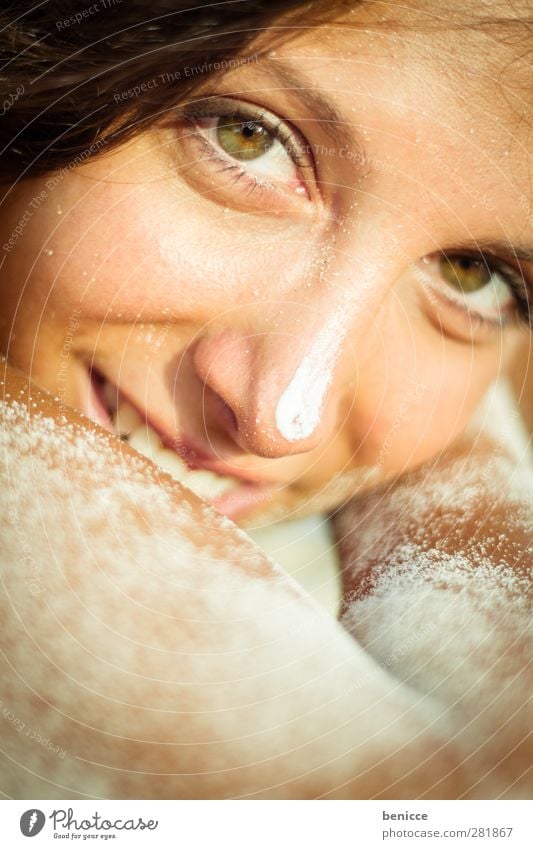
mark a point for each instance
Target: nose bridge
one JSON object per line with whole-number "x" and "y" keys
{"x": 302, "y": 388}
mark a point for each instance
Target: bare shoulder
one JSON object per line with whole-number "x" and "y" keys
{"x": 438, "y": 589}
{"x": 149, "y": 649}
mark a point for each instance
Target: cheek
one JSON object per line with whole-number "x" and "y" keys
{"x": 412, "y": 402}
{"x": 143, "y": 253}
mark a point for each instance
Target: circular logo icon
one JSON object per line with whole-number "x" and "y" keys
{"x": 31, "y": 822}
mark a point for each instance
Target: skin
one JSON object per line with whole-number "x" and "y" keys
{"x": 437, "y": 588}
{"x": 92, "y": 628}
{"x": 212, "y": 711}
{"x": 205, "y": 340}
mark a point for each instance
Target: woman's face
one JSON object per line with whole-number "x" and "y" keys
{"x": 262, "y": 276}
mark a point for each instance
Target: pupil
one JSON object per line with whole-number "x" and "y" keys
{"x": 465, "y": 273}
{"x": 242, "y": 139}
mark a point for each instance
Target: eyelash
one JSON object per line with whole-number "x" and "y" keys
{"x": 521, "y": 295}
{"x": 523, "y": 314}
{"x": 288, "y": 137}
{"x": 518, "y": 310}
{"x": 298, "y": 150}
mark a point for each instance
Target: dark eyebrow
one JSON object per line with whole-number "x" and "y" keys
{"x": 334, "y": 124}
{"x": 331, "y": 121}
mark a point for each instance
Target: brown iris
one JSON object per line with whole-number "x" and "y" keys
{"x": 467, "y": 274}
{"x": 243, "y": 139}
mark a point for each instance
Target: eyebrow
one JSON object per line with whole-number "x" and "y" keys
{"x": 336, "y": 128}
{"x": 331, "y": 120}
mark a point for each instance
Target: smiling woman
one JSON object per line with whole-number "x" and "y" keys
{"x": 281, "y": 250}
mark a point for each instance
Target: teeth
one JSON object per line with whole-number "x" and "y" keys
{"x": 127, "y": 419}
{"x": 208, "y": 484}
{"x": 145, "y": 440}
{"x": 171, "y": 463}
{"x": 140, "y": 436}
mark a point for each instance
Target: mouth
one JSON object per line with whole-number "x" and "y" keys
{"x": 233, "y": 495}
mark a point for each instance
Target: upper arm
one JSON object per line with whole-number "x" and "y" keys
{"x": 149, "y": 649}
{"x": 438, "y": 590}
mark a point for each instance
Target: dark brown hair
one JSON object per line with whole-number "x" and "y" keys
{"x": 75, "y": 76}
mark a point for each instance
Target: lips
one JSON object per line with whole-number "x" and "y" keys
{"x": 230, "y": 494}
{"x": 304, "y": 548}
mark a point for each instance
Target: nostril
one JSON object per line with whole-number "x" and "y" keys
{"x": 230, "y": 417}
{"x": 221, "y": 412}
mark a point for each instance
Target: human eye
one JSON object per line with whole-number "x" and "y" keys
{"x": 244, "y": 148}
{"x": 488, "y": 292}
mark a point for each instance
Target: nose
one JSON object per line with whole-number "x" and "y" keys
{"x": 270, "y": 383}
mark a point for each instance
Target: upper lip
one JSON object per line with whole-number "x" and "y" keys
{"x": 193, "y": 456}
{"x": 196, "y": 458}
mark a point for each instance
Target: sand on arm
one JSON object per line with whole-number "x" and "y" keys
{"x": 438, "y": 590}
{"x": 150, "y": 650}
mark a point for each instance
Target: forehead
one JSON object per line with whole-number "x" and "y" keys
{"x": 478, "y": 55}
{"x": 485, "y": 45}
{"x": 427, "y": 73}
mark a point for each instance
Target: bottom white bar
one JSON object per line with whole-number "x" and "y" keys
{"x": 267, "y": 825}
